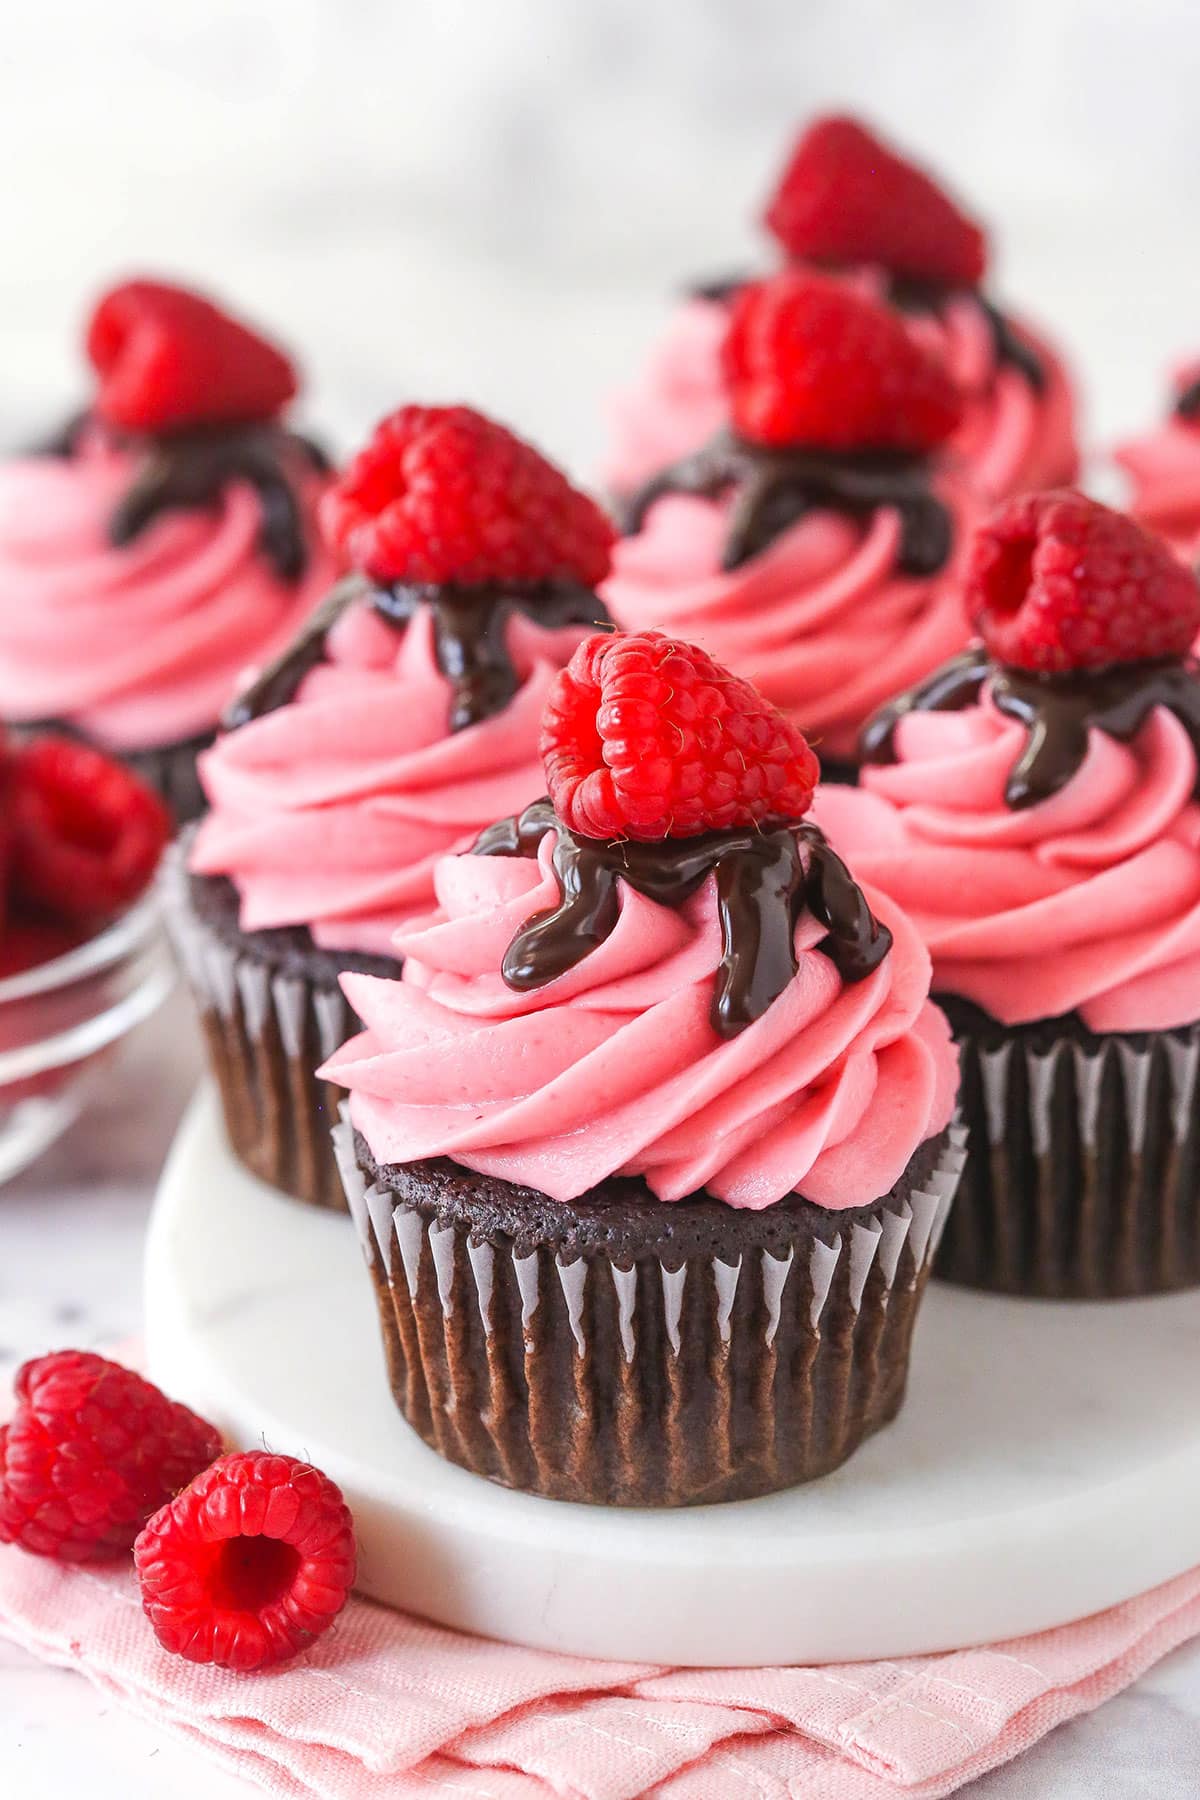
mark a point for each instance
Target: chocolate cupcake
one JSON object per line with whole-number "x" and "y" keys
{"x": 1034, "y": 808}
{"x": 403, "y": 717}
{"x": 815, "y": 542}
{"x": 161, "y": 543}
{"x": 650, "y": 1145}
{"x": 850, "y": 203}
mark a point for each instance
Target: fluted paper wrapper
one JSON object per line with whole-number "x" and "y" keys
{"x": 1083, "y": 1173}
{"x": 267, "y": 1030}
{"x": 652, "y": 1384}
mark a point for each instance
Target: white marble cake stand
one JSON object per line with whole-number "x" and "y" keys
{"x": 1046, "y": 1464}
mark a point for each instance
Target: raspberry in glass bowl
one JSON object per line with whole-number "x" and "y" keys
{"x": 82, "y": 960}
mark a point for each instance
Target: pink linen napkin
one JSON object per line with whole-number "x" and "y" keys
{"x": 386, "y": 1707}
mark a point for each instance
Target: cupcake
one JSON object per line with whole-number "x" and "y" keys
{"x": 814, "y": 544}
{"x": 848, "y": 202}
{"x": 1163, "y": 468}
{"x": 402, "y": 719}
{"x": 1033, "y": 807}
{"x": 650, "y": 1144}
{"x": 164, "y": 541}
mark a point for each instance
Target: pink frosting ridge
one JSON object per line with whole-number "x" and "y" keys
{"x": 1087, "y": 902}
{"x": 1164, "y": 471}
{"x": 822, "y": 620}
{"x": 615, "y": 1067}
{"x": 332, "y": 811}
{"x": 142, "y": 645}
{"x": 1011, "y": 437}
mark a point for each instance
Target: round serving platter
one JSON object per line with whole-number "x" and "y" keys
{"x": 1046, "y": 1463}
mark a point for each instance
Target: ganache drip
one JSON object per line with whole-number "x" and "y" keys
{"x": 912, "y": 296}
{"x": 1056, "y": 710}
{"x": 773, "y": 489}
{"x": 1187, "y": 406}
{"x": 764, "y": 884}
{"x": 470, "y": 640}
{"x": 193, "y": 468}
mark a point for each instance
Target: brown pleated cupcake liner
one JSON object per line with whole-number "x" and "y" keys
{"x": 652, "y": 1380}
{"x": 267, "y": 1031}
{"x": 1083, "y": 1171}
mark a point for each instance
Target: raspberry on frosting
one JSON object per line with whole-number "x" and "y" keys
{"x": 168, "y": 358}
{"x": 1056, "y": 582}
{"x": 647, "y": 737}
{"x": 443, "y": 494}
{"x": 845, "y": 197}
{"x": 810, "y": 361}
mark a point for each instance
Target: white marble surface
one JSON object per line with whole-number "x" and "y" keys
{"x": 70, "y": 1251}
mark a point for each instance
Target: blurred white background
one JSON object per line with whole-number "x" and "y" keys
{"x": 494, "y": 199}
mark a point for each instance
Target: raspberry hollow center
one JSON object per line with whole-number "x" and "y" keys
{"x": 250, "y": 1573}
{"x": 1010, "y": 576}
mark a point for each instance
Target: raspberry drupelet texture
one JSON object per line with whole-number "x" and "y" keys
{"x": 168, "y": 359}
{"x": 808, "y": 361}
{"x": 86, "y": 835}
{"x": 443, "y": 494}
{"x": 91, "y": 1452}
{"x": 1057, "y": 582}
{"x": 250, "y": 1564}
{"x": 845, "y": 197}
{"x": 647, "y": 737}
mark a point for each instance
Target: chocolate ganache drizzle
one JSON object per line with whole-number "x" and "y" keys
{"x": 912, "y": 296}
{"x": 470, "y": 640}
{"x": 1187, "y": 406}
{"x": 1056, "y": 710}
{"x": 192, "y": 468}
{"x": 774, "y": 488}
{"x": 764, "y": 882}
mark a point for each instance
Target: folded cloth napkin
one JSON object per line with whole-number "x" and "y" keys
{"x": 385, "y": 1707}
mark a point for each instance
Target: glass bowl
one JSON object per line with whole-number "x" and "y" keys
{"x": 60, "y": 1022}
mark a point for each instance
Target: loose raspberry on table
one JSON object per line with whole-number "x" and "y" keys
{"x": 91, "y": 1452}
{"x": 250, "y": 1564}
{"x": 647, "y": 737}
{"x": 1057, "y": 582}
{"x": 168, "y": 358}
{"x": 846, "y": 197}
{"x": 86, "y": 834}
{"x": 443, "y": 494}
{"x": 808, "y": 361}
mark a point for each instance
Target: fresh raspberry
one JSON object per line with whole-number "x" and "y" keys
{"x": 809, "y": 361}
{"x": 86, "y": 834}
{"x": 1057, "y": 582}
{"x": 90, "y": 1453}
{"x": 250, "y": 1564}
{"x": 442, "y": 494}
{"x": 168, "y": 359}
{"x": 845, "y": 197}
{"x": 647, "y": 737}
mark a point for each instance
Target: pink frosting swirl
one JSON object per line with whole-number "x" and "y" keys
{"x": 1088, "y": 902}
{"x": 1012, "y": 437}
{"x": 822, "y": 621}
{"x": 142, "y": 645}
{"x": 1164, "y": 472}
{"x": 332, "y": 811}
{"x": 615, "y": 1067}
